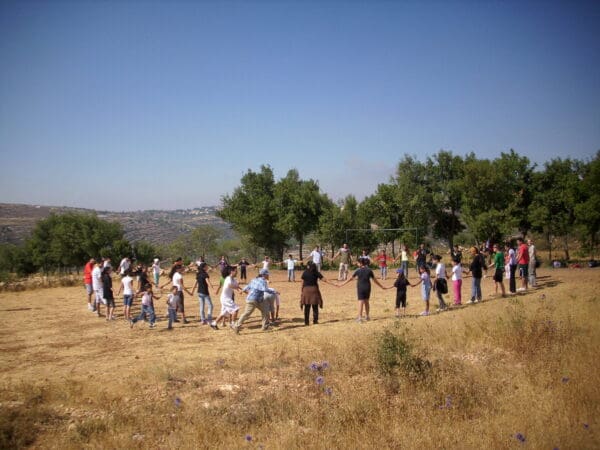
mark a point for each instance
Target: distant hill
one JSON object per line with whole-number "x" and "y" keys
{"x": 155, "y": 226}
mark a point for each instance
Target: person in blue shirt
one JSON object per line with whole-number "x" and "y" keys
{"x": 259, "y": 294}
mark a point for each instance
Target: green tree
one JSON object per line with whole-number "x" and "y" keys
{"x": 516, "y": 188}
{"x": 204, "y": 239}
{"x": 487, "y": 196}
{"x": 557, "y": 193}
{"x": 144, "y": 252}
{"x": 413, "y": 190}
{"x": 587, "y": 212}
{"x": 447, "y": 173}
{"x": 252, "y": 211}
{"x": 300, "y": 204}
{"x": 63, "y": 241}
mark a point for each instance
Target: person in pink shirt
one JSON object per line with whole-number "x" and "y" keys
{"x": 523, "y": 263}
{"x": 382, "y": 259}
{"x": 87, "y": 280}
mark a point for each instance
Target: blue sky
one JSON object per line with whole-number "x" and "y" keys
{"x": 163, "y": 105}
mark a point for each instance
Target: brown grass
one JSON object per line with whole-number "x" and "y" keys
{"x": 469, "y": 378}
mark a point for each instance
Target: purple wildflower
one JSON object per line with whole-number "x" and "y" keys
{"x": 586, "y": 426}
{"x": 314, "y": 366}
{"x": 220, "y": 362}
{"x": 248, "y": 438}
{"x": 320, "y": 380}
{"x": 520, "y": 437}
{"x": 449, "y": 401}
{"x": 325, "y": 365}
{"x": 328, "y": 391}
{"x": 177, "y": 402}
{"x": 565, "y": 379}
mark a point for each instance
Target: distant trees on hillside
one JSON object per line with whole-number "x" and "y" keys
{"x": 66, "y": 241}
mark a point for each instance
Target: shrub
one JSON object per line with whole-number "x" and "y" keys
{"x": 396, "y": 357}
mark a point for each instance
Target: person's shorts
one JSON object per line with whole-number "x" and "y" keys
{"x": 110, "y": 302}
{"x": 181, "y": 305}
{"x": 127, "y": 300}
{"x": 364, "y": 294}
{"x": 99, "y": 294}
{"x": 498, "y": 275}
{"x": 88, "y": 288}
{"x": 524, "y": 270}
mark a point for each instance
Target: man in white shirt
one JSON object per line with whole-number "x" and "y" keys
{"x": 124, "y": 266}
{"x": 97, "y": 286}
{"x": 291, "y": 268}
{"x": 317, "y": 257}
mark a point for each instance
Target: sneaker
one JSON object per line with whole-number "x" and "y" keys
{"x": 235, "y": 328}
{"x": 367, "y": 318}
{"x": 213, "y": 325}
{"x": 521, "y": 289}
{"x": 131, "y": 323}
{"x": 152, "y": 325}
{"x": 186, "y": 321}
{"x": 359, "y": 319}
{"x": 177, "y": 320}
{"x": 425, "y": 313}
{"x": 90, "y": 307}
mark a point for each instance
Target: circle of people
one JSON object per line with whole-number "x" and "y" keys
{"x": 505, "y": 260}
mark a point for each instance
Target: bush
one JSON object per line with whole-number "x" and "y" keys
{"x": 396, "y": 357}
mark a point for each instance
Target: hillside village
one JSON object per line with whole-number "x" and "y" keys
{"x": 154, "y": 226}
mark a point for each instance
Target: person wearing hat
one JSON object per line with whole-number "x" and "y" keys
{"x": 156, "y": 271}
{"x": 258, "y": 298}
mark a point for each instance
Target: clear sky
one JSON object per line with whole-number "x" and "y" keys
{"x": 126, "y": 105}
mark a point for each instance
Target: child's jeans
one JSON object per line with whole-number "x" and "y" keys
{"x": 147, "y": 310}
{"x": 172, "y": 316}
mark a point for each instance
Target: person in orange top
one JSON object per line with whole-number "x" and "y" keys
{"x": 523, "y": 263}
{"x": 87, "y": 280}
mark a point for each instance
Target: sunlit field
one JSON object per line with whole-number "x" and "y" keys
{"x": 515, "y": 372}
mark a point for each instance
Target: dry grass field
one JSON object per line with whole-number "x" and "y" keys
{"x": 518, "y": 372}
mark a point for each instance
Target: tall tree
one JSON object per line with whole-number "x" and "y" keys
{"x": 447, "y": 172}
{"x": 557, "y": 193}
{"x": 413, "y": 190}
{"x": 587, "y": 213}
{"x": 486, "y": 197}
{"x": 252, "y": 210}
{"x": 300, "y": 205}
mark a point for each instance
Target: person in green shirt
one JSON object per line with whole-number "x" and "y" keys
{"x": 498, "y": 265}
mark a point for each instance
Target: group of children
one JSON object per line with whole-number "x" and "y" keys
{"x": 438, "y": 281}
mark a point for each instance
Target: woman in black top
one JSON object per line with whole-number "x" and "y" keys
{"x": 311, "y": 295}
{"x": 476, "y": 270}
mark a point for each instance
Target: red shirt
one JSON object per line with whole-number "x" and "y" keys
{"x": 523, "y": 254}
{"x": 87, "y": 273}
{"x": 382, "y": 260}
